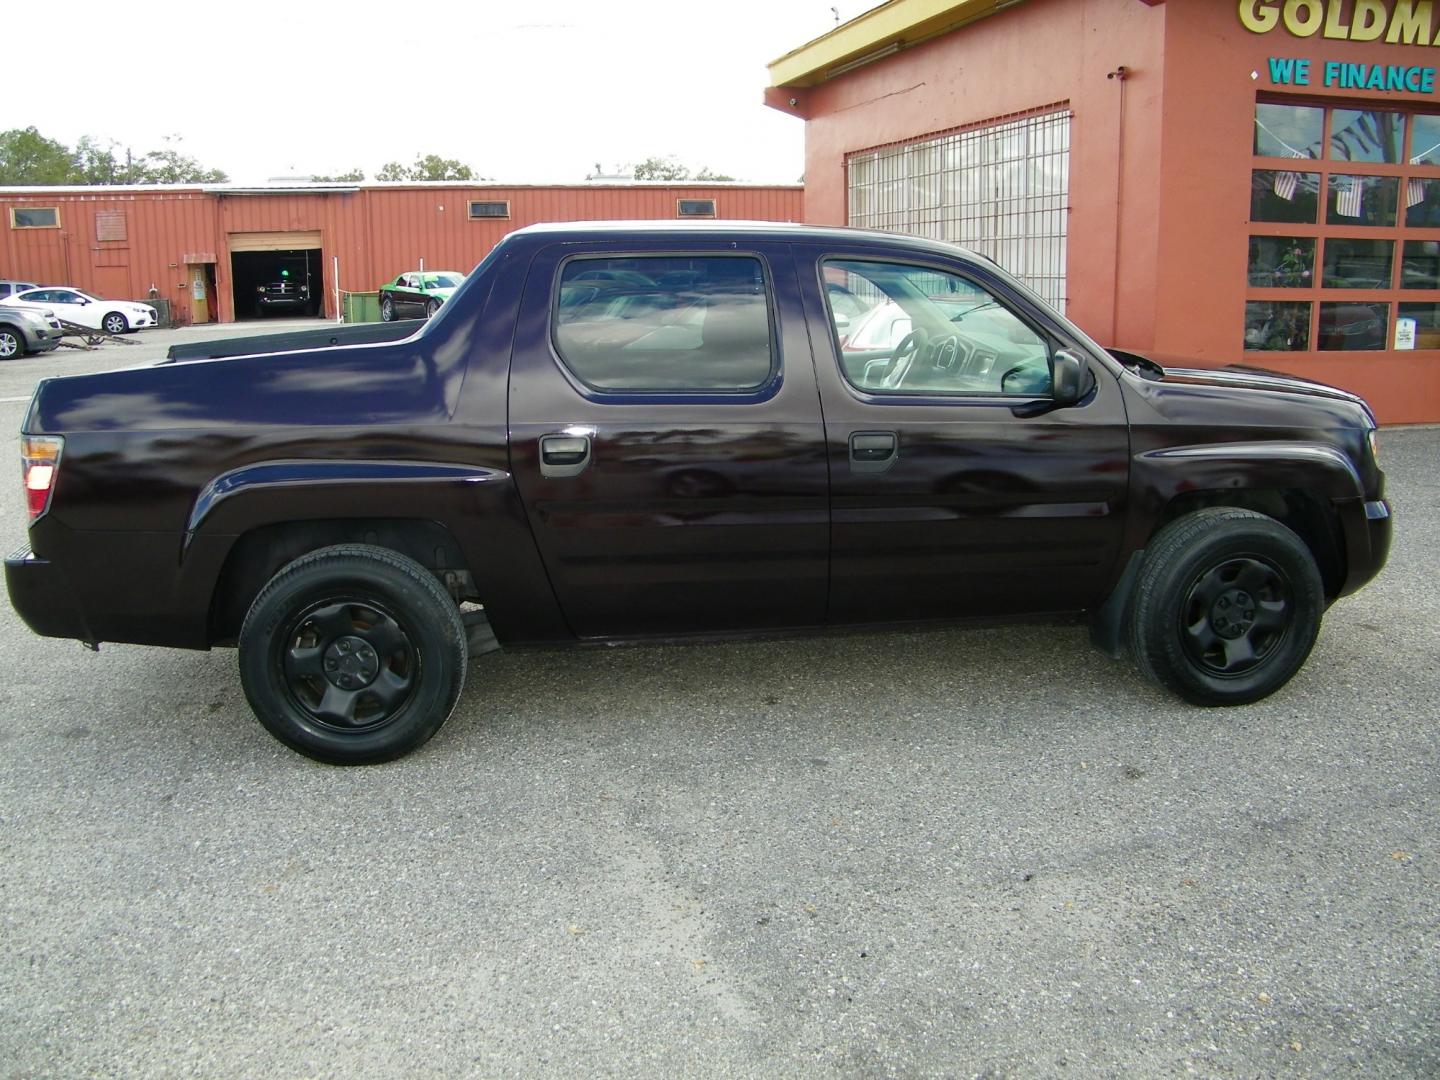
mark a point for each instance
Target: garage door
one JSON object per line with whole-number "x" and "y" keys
{"x": 274, "y": 241}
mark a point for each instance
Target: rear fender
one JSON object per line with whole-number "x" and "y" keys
{"x": 477, "y": 506}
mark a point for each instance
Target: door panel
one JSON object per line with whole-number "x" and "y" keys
{"x": 977, "y": 511}
{"x": 684, "y": 511}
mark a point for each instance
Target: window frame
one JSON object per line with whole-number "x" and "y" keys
{"x": 1018, "y": 306}
{"x": 680, "y": 209}
{"x": 15, "y": 210}
{"x": 470, "y": 205}
{"x": 1325, "y": 167}
{"x": 608, "y": 395}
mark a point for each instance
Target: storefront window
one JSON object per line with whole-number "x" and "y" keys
{"x": 1357, "y": 264}
{"x": 1376, "y": 173}
{"x": 1288, "y": 130}
{"x": 1420, "y": 265}
{"x": 1427, "y": 323}
{"x": 1422, "y": 203}
{"x": 1425, "y": 141}
{"x": 1282, "y": 262}
{"x": 1361, "y": 200}
{"x": 1275, "y": 326}
{"x": 1354, "y": 326}
{"x": 1281, "y": 196}
{"x": 1367, "y": 135}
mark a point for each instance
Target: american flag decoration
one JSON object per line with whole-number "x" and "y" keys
{"x": 1414, "y": 192}
{"x": 1286, "y": 182}
{"x": 1347, "y": 202}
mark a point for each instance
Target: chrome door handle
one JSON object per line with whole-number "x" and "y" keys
{"x": 564, "y": 455}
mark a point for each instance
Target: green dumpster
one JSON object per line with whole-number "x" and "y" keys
{"x": 362, "y": 307}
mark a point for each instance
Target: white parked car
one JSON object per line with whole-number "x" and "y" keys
{"x": 72, "y": 305}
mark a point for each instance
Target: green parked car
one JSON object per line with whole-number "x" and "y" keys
{"x": 417, "y": 295}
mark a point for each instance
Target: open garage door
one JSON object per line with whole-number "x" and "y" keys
{"x": 277, "y": 274}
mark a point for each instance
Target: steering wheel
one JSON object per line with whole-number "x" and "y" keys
{"x": 901, "y": 360}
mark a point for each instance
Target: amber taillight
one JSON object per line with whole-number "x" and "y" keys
{"x": 39, "y": 464}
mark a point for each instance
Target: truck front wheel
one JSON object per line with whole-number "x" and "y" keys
{"x": 1227, "y": 606}
{"x": 352, "y": 655}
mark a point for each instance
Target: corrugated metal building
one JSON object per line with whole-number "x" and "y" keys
{"x": 205, "y": 248}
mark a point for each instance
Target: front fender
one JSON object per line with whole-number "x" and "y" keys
{"x": 1161, "y": 475}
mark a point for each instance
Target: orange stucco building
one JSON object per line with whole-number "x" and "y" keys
{"x": 1236, "y": 181}
{"x": 206, "y": 248}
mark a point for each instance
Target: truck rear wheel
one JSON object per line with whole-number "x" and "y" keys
{"x": 1227, "y": 606}
{"x": 352, "y": 655}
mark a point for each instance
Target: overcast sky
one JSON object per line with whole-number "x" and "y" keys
{"x": 525, "y": 91}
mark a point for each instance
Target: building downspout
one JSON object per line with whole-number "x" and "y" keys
{"x": 1119, "y": 75}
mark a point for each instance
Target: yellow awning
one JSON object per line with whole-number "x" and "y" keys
{"x": 879, "y": 32}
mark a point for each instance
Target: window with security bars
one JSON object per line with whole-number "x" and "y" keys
{"x": 1344, "y": 237}
{"x": 1002, "y": 189}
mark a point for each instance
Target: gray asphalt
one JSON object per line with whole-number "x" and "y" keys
{"x": 961, "y": 853}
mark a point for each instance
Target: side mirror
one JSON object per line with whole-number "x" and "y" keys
{"x": 1070, "y": 378}
{"x": 1070, "y": 381}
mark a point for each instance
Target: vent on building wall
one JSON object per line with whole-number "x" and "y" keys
{"x": 496, "y": 209}
{"x": 695, "y": 208}
{"x": 110, "y": 225}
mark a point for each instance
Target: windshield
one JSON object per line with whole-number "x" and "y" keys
{"x": 442, "y": 281}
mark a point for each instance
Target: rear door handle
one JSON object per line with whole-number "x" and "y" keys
{"x": 564, "y": 455}
{"x": 873, "y": 451}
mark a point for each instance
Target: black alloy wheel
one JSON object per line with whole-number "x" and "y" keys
{"x": 431, "y": 308}
{"x": 1226, "y": 607}
{"x": 1235, "y": 616}
{"x": 387, "y": 310}
{"x": 349, "y": 664}
{"x": 353, "y": 654}
{"x": 115, "y": 323}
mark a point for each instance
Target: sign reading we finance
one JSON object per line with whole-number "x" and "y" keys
{"x": 1388, "y": 78}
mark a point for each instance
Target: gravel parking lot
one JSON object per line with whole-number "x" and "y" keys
{"x": 985, "y": 852}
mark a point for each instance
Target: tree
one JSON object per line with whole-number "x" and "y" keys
{"x": 434, "y": 167}
{"x": 655, "y": 168}
{"x": 93, "y": 163}
{"x": 428, "y": 167}
{"x": 28, "y": 158}
{"x": 169, "y": 166}
{"x": 350, "y": 177}
{"x": 661, "y": 169}
{"x": 706, "y": 174}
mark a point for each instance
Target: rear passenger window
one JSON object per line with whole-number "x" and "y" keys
{"x": 697, "y": 323}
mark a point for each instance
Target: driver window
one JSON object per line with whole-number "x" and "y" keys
{"x": 917, "y": 330}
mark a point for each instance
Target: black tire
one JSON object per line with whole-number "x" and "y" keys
{"x": 431, "y": 308}
{"x": 114, "y": 323}
{"x": 1227, "y": 606}
{"x": 12, "y": 345}
{"x": 387, "y": 309}
{"x": 353, "y": 655}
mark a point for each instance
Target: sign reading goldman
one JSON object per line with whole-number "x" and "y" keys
{"x": 1410, "y": 22}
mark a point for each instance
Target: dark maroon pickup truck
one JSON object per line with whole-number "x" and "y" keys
{"x": 638, "y": 431}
